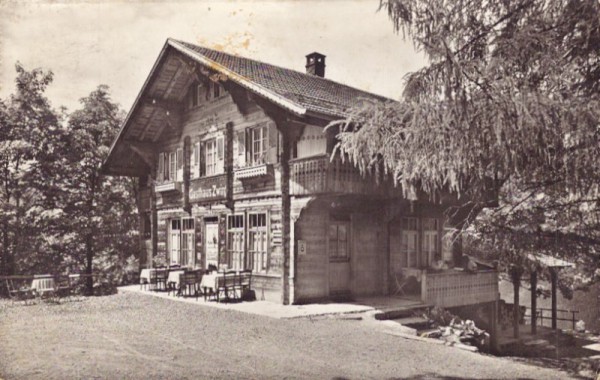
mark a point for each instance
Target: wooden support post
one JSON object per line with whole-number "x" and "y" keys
{"x": 533, "y": 282}
{"x": 494, "y": 326}
{"x": 286, "y": 213}
{"x": 516, "y": 280}
{"x": 154, "y": 223}
{"x": 554, "y": 279}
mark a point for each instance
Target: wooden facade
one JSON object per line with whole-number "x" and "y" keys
{"x": 233, "y": 177}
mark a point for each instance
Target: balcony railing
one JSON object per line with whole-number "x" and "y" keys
{"x": 255, "y": 171}
{"x": 458, "y": 288}
{"x": 317, "y": 175}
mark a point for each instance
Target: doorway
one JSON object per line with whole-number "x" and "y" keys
{"x": 211, "y": 246}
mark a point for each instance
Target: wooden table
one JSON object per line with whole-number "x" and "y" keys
{"x": 173, "y": 279}
{"x": 145, "y": 275}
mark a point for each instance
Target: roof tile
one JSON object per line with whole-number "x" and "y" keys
{"x": 312, "y": 92}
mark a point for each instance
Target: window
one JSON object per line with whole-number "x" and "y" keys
{"x": 181, "y": 242}
{"x": 170, "y": 166}
{"x": 338, "y": 241}
{"x": 196, "y": 94}
{"x": 258, "y": 145}
{"x": 215, "y": 156}
{"x": 239, "y": 149}
{"x": 235, "y": 241}
{"x": 254, "y": 255}
{"x": 431, "y": 249}
{"x": 409, "y": 240}
{"x": 257, "y": 242}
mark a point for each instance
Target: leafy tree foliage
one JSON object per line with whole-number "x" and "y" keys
{"x": 101, "y": 212}
{"x": 510, "y": 100}
{"x": 28, "y": 129}
{"x": 57, "y": 212}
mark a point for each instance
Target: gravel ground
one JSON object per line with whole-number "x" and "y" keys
{"x": 132, "y": 336}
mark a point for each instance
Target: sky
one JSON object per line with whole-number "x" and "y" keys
{"x": 93, "y": 42}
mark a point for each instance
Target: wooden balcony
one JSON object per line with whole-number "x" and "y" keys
{"x": 319, "y": 175}
{"x": 458, "y": 288}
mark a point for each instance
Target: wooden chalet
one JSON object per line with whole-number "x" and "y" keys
{"x": 235, "y": 171}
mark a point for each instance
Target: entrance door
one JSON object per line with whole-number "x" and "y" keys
{"x": 211, "y": 245}
{"x": 338, "y": 246}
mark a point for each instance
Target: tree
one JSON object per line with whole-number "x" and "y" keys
{"x": 510, "y": 98}
{"x": 102, "y": 219}
{"x": 509, "y": 102}
{"x": 29, "y": 128}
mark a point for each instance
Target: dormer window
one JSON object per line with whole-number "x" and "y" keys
{"x": 196, "y": 94}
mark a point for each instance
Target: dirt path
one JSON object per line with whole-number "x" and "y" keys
{"x": 131, "y": 336}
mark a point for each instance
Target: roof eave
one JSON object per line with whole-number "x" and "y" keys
{"x": 133, "y": 108}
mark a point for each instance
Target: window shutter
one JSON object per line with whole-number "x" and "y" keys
{"x": 272, "y": 143}
{"x": 220, "y": 154}
{"x": 240, "y": 157}
{"x": 202, "y": 159}
{"x": 179, "y": 165}
{"x": 167, "y": 171}
{"x": 161, "y": 167}
{"x": 195, "y": 160}
{"x": 248, "y": 145}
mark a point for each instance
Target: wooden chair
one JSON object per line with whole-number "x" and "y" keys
{"x": 245, "y": 283}
{"x": 161, "y": 276}
{"x": 227, "y": 284}
{"x": 188, "y": 282}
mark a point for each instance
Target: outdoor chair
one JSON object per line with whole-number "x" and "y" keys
{"x": 231, "y": 284}
{"x": 161, "y": 276}
{"x": 188, "y": 282}
{"x": 16, "y": 293}
{"x": 245, "y": 283}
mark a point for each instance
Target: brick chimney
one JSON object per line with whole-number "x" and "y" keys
{"x": 315, "y": 64}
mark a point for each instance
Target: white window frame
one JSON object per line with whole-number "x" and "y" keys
{"x": 431, "y": 240}
{"x": 172, "y": 166}
{"x": 259, "y": 144}
{"x": 214, "y": 154}
{"x": 258, "y": 242}
{"x": 410, "y": 241}
{"x": 236, "y": 241}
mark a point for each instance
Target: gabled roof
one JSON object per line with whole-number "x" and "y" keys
{"x": 298, "y": 93}
{"x": 309, "y": 92}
